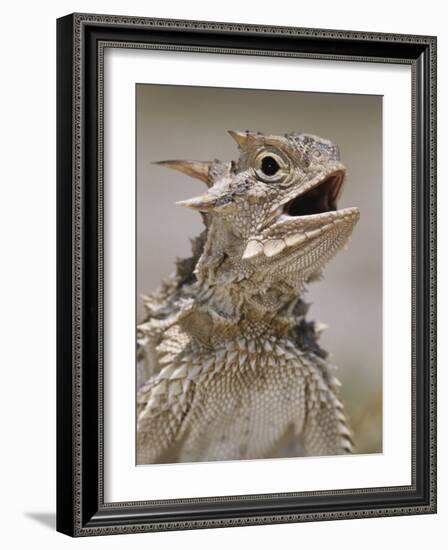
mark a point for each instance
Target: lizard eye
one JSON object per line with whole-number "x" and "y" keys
{"x": 269, "y": 166}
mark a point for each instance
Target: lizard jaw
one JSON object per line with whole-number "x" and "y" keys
{"x": 291, "y": 234}
{"x": 305, "y": 217}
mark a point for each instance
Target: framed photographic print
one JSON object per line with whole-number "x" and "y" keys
{"x": 246, "y": 274}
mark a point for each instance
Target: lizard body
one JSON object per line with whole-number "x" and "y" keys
{"x": 231, "y": 367}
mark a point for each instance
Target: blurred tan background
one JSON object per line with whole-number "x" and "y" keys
{"x": 181, "y": 122}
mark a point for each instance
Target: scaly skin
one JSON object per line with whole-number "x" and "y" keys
{"x": 232, "y": 369}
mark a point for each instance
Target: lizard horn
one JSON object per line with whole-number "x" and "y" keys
{"x": 203, "y": 203}
{"x": 242, "y": 138}
{"x": 192, "y": 168}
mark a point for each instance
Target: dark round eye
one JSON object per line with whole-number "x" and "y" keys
{"x": 269, "y": 166}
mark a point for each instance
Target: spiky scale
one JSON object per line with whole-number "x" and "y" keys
{"x": 253, "y": 248}
{"x": 160, "y": 389}
{"x": 267, "y": 346}
{"x": 274, "y": 247}
{"x": 174, "y": 388}
{"x": 193, "y": 371}
{"x": 208, "y": 364}
{"x": 180, "y": 372}
{"x": 232, "y": 356}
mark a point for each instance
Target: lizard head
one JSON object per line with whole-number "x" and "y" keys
{"x": 272, "y": 215}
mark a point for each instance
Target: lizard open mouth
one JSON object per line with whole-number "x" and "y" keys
{"x": 319, "y": 199}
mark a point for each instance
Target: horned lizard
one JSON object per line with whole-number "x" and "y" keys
{"x": 231, "y": 367}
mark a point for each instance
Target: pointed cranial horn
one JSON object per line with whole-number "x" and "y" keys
{"x": 192, "y": 168}
{"x": 242, "y": 138}
{"x": 203, "y": 203}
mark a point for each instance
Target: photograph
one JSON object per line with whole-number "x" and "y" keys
{"x": 259, "y": 267}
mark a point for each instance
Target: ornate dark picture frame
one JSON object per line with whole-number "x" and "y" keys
{"x": 81, "y": 509}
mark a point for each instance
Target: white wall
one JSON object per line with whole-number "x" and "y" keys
{"x": 27, "y": 228}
